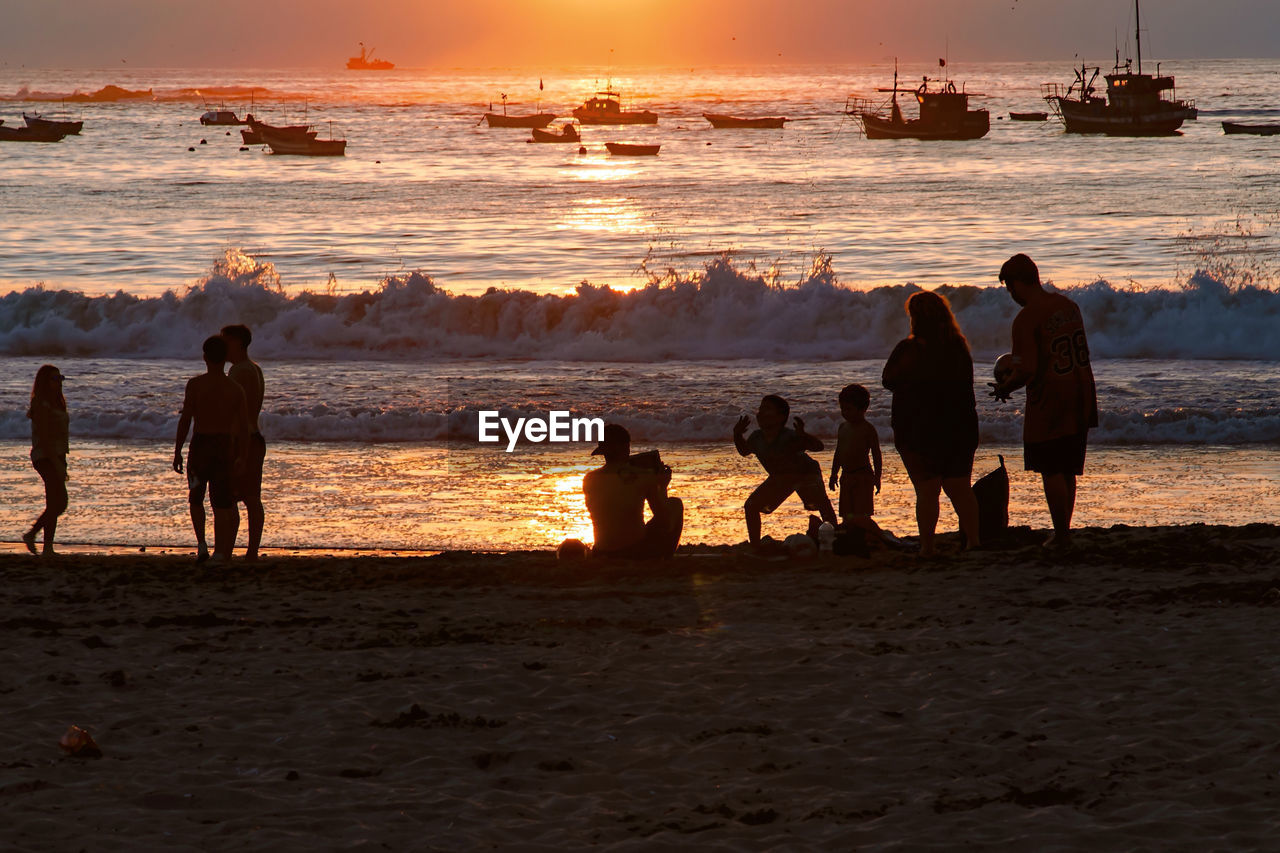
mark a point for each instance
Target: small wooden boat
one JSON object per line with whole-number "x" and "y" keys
{"x": 254, "y": 135}
{"x": 30, "y": 134}
{"x": 1234, "y": 127}
{"x": 527, "y": 120}
{"x": 630, "y": 149}
{"x": 305, "y": 145}
{"x": 220, "y": 118}
{"x": 568, "y": 133}
{"x": 69, "y": 128}
{"x": 725, "y": 122}
{"x": 1029, "y": 116}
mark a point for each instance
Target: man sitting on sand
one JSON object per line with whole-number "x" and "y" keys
{"x": 616, "y": 494}
{"x": 217, "y": 406}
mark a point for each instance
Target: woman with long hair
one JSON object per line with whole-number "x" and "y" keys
{"x": 935, "y": 415}
{"x": 49, "y": 436}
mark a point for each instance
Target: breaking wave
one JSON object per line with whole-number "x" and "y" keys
{"x": 720, "y": 312}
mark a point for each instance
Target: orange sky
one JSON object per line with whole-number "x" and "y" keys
{"x": 544, "y": 33}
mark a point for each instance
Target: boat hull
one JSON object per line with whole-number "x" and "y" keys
{"x": 30, "y": 134}
{"x": 975, "y": 125}
{"x": 1096, "y": 117}
{"x": 257, "y": 131}
{"x": 628, "y": 149}
{"x": 304, "y": 145}
{"x": 1252, "y": 129}
{"x": 48, "y": 125}
{"x": 532, "y": 120}
{"x": 1029, "y": 116}
{"x": 625, "y": 117}
{"x": 547, "y": 136}
{"x": 724, "y": 122}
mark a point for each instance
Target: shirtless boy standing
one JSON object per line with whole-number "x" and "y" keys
{"x": 218, "y": 448}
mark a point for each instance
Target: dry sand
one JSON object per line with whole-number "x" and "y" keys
{"x": 1122, "y": 697}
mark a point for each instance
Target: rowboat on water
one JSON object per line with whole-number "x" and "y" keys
{"x": 568, "y": 133}
{"x": 630, "y": 149}
{"x": 30, "y": 134}
{"x": 1029, "y": 116}
{"x": 305, "y": 144}
{"x": 727, "y": 122}
{"x": 255, "y": 134}
{"x": 502, "y": 119}
{"x": 69, "y": 128}
{"x": 1234, "y": 127}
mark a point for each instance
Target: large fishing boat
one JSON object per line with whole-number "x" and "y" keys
{"x": 606, "y": 108}
{"x": 1134, "y": 105}
{"x": 366, "y": 62}
{"x": 944, "y": 113}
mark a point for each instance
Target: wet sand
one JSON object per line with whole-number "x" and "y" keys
{"x": 1122, "y": 696}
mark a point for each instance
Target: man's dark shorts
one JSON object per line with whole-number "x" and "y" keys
{"x": 1063, "y": 455}
{"x": 249, "y": 483}
{"x": 209, "y": 465}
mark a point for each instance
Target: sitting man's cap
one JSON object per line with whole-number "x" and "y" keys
{"x": 615, "y": 435}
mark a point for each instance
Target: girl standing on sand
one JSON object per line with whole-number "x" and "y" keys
{"x": 935, "y": 415}
{"x": 49, "y": 438}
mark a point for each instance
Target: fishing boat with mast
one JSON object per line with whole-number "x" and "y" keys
{"x": 606, "y": 108}
{"x": 366, "y": 62}
{"x": 1135, "y": 103}
{"x": 944, "y": 112}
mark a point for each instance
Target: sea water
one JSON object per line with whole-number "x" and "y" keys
{"x": 442, "y": 268}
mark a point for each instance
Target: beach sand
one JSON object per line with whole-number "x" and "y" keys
{"x": 1124, "y": 696}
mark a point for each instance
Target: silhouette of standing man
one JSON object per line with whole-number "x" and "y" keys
{"x": 248, "y": 375}
{"x": 1051, "y": 358}
{"x": 216, "y": 406}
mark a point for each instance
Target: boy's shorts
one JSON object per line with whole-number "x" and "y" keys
{"x": 1063, "y": 455}
{"x": 209, "y": 466}
{"x": 770, "y": 494}
{"x": 857, "y": 493}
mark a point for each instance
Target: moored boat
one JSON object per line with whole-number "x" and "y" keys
{"x": 631, "y": 149}
{"x": 1029, "y": 116}
{"x": 255, "y": 134}
{"x": 30, "y": 134}
{"x": 606, "y": 108}
{"x": 536, "y": 119}
{"x": 303, "y": 144}
{"x": 1134, "y": 105}
{"x": 220, "y": 118}
{"x": 725, "y": 122}
{"x": 1234, "y": 127}
{"x": 68, "y": 128}
{"x": 944, "y": 114}
{"x": 568, "y": 133}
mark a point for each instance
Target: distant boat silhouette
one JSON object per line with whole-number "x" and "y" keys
{"x": 726, "y": 122}
{"x": 1029, "y": 116}
{"x": 366, "y": 62}
{"x": 1134, "y": 104}
{"x": 606, "y": 108}
{"x": 220, "y": 117}
{"x": 568, "y": 133}
{"x": 631, "y": 149}
{"x": 256, "y": 134}
{"x": 1234, "y": 127}
{"x": 70, "y": 128}
{"x": 538, "y": 119}
{"x": 944, "y": 114}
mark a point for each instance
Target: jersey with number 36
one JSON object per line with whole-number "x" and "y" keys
{"x": 1049, "y": 341}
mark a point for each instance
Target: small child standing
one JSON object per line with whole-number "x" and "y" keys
{"x": 782, "y": 453}
{"x": 857, "y": 465}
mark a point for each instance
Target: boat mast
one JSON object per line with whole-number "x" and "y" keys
{"x": 1137, "y": 27}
